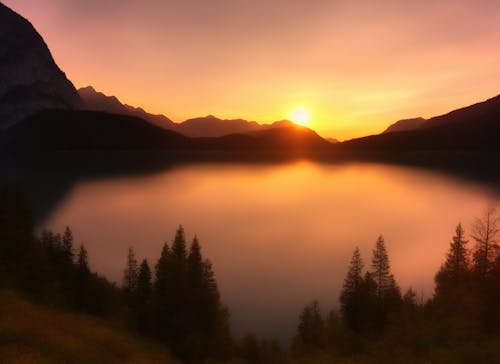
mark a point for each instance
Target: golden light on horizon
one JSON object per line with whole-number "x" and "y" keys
{"x": 300, "y": 116}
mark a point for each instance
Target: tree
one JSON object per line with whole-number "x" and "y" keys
{"x": 380, "y": 269}
{"x": 310, "y": 333}
{"x": 143, "y": 298}
{"x": 453, "y": 273}
{"x": 387, "y": 293}
{"x": 130, "y": 274}
{"x": 162, "y": 310}
{"x": 144, "y": 285}
{"x": 82, "y": 259}
{"x": 351, "y": 295}
{"x": 67, "y": 246}
{"x": 485, "y": 232}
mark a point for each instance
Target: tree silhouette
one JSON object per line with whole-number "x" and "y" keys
{"x": 82, "y": 259}
{"x": 162, "y": 309}
{"x": 352, "y": 293}
{"x": 485, "y": 232}
{"x": 143, "y": 298}
{"x": 387, "y": 292}
{"x": 130, "y": 275}
{"x": 67, "y": 245}
{"x": 380, "y": 269}
{"x": 453, "y": 274}
{"x": 311, "y": 332}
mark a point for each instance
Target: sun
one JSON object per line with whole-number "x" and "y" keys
{"x": 300, "y": 116}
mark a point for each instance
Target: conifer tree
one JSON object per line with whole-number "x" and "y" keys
{"x": 82, "y": 259}
{"x": 67, "y": 246}
{"x": 143, "y": 298}
{"x": 130, "y": 274}
{"x": 454, "y": 271}
{"x": 380, "y": 269}
{"x": 352, "y": 293}
{"x": 386, "y": 291}
{"x": 162, "y": 308}
{"x": 144, "y": 283}
{"x": 310, "y": 335}
{"x": 485, "y": 232}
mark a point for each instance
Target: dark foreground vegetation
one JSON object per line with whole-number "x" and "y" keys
{"x": 175, "y": 303}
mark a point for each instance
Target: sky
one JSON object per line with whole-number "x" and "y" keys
{"x": 356, "y": 66}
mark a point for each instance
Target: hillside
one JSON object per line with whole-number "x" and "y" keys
{"x": 88, "y": 130}
{"x": 405, "y": 125}
{"x": 476, "y": 127}
{"x": 32, "y": 333}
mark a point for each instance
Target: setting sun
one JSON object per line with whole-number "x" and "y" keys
{"x": 300, "y": 116}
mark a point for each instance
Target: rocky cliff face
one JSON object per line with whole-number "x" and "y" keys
{"x": 30, "y": 81}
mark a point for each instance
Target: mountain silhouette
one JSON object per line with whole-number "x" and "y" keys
{"x": 97, "y": 101}
{"x": 30, "y": 79}
{"x": 476, "y": 127}
{"x": 207, "y": 126}
{"x": 405, "y": 125}
{"x": 57, "y": 130}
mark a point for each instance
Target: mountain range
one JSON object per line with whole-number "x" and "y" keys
{"x": 207, "y": 126}
{"x": 40, "y": 109}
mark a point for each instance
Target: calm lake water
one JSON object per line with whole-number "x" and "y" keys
{"x": 278, "y": 235}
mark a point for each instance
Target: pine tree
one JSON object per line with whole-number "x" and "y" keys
{"x": 485, "y": 232}
{"x": 453, "y": 273}
{"x": 380, "y": 268}
{"x": 387, "y": 292}
{"x": 67, "y": 246}
{"x": 179, "y": 251}
{"x": 352, "y": 293}
{"x": 310, "y": 333}
{"x": 162, "y": 308}
{"x": 143, "y": 298}
{"x": 130, "y": 275}
{"x": 82, "y": 259}
{"x": 144, "y": 284}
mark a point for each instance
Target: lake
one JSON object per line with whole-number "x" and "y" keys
{"x": 279, "y": 235}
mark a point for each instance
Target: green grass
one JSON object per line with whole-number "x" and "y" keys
{"x": 32, "y": 333}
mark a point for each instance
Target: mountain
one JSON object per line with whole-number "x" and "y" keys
{"x": 285, "y": 138}
{"x": 211, "y": 126}
{"x": 30, "y": 79}
{"x": 405, "y": 125}
{"x": 476, "y": 127}
{"x": 97, "y": 101}
{"x": 207, "y": 126}
{"x": 92, "y": 130}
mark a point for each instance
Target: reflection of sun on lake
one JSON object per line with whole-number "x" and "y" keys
{"x": 279, "y": 236}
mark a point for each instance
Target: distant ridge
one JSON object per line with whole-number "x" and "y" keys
{"x": 207, "y": 126}
{"x": 97, "y": 101}
{"x": 405, "y": 125}
{"x": 475, "y": 127}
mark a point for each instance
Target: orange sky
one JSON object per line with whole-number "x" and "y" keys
{"x": 357, "y": 66}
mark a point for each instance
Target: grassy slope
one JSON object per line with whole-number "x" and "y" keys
{"x": 36, "y": 334}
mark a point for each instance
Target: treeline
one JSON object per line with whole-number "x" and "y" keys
{"x": 180, "y": 303}
{"x": 176, "y": 302}
{"x": 460, "y": 323}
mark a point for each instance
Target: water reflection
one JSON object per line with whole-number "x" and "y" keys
{"x": 278, "y": 235}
